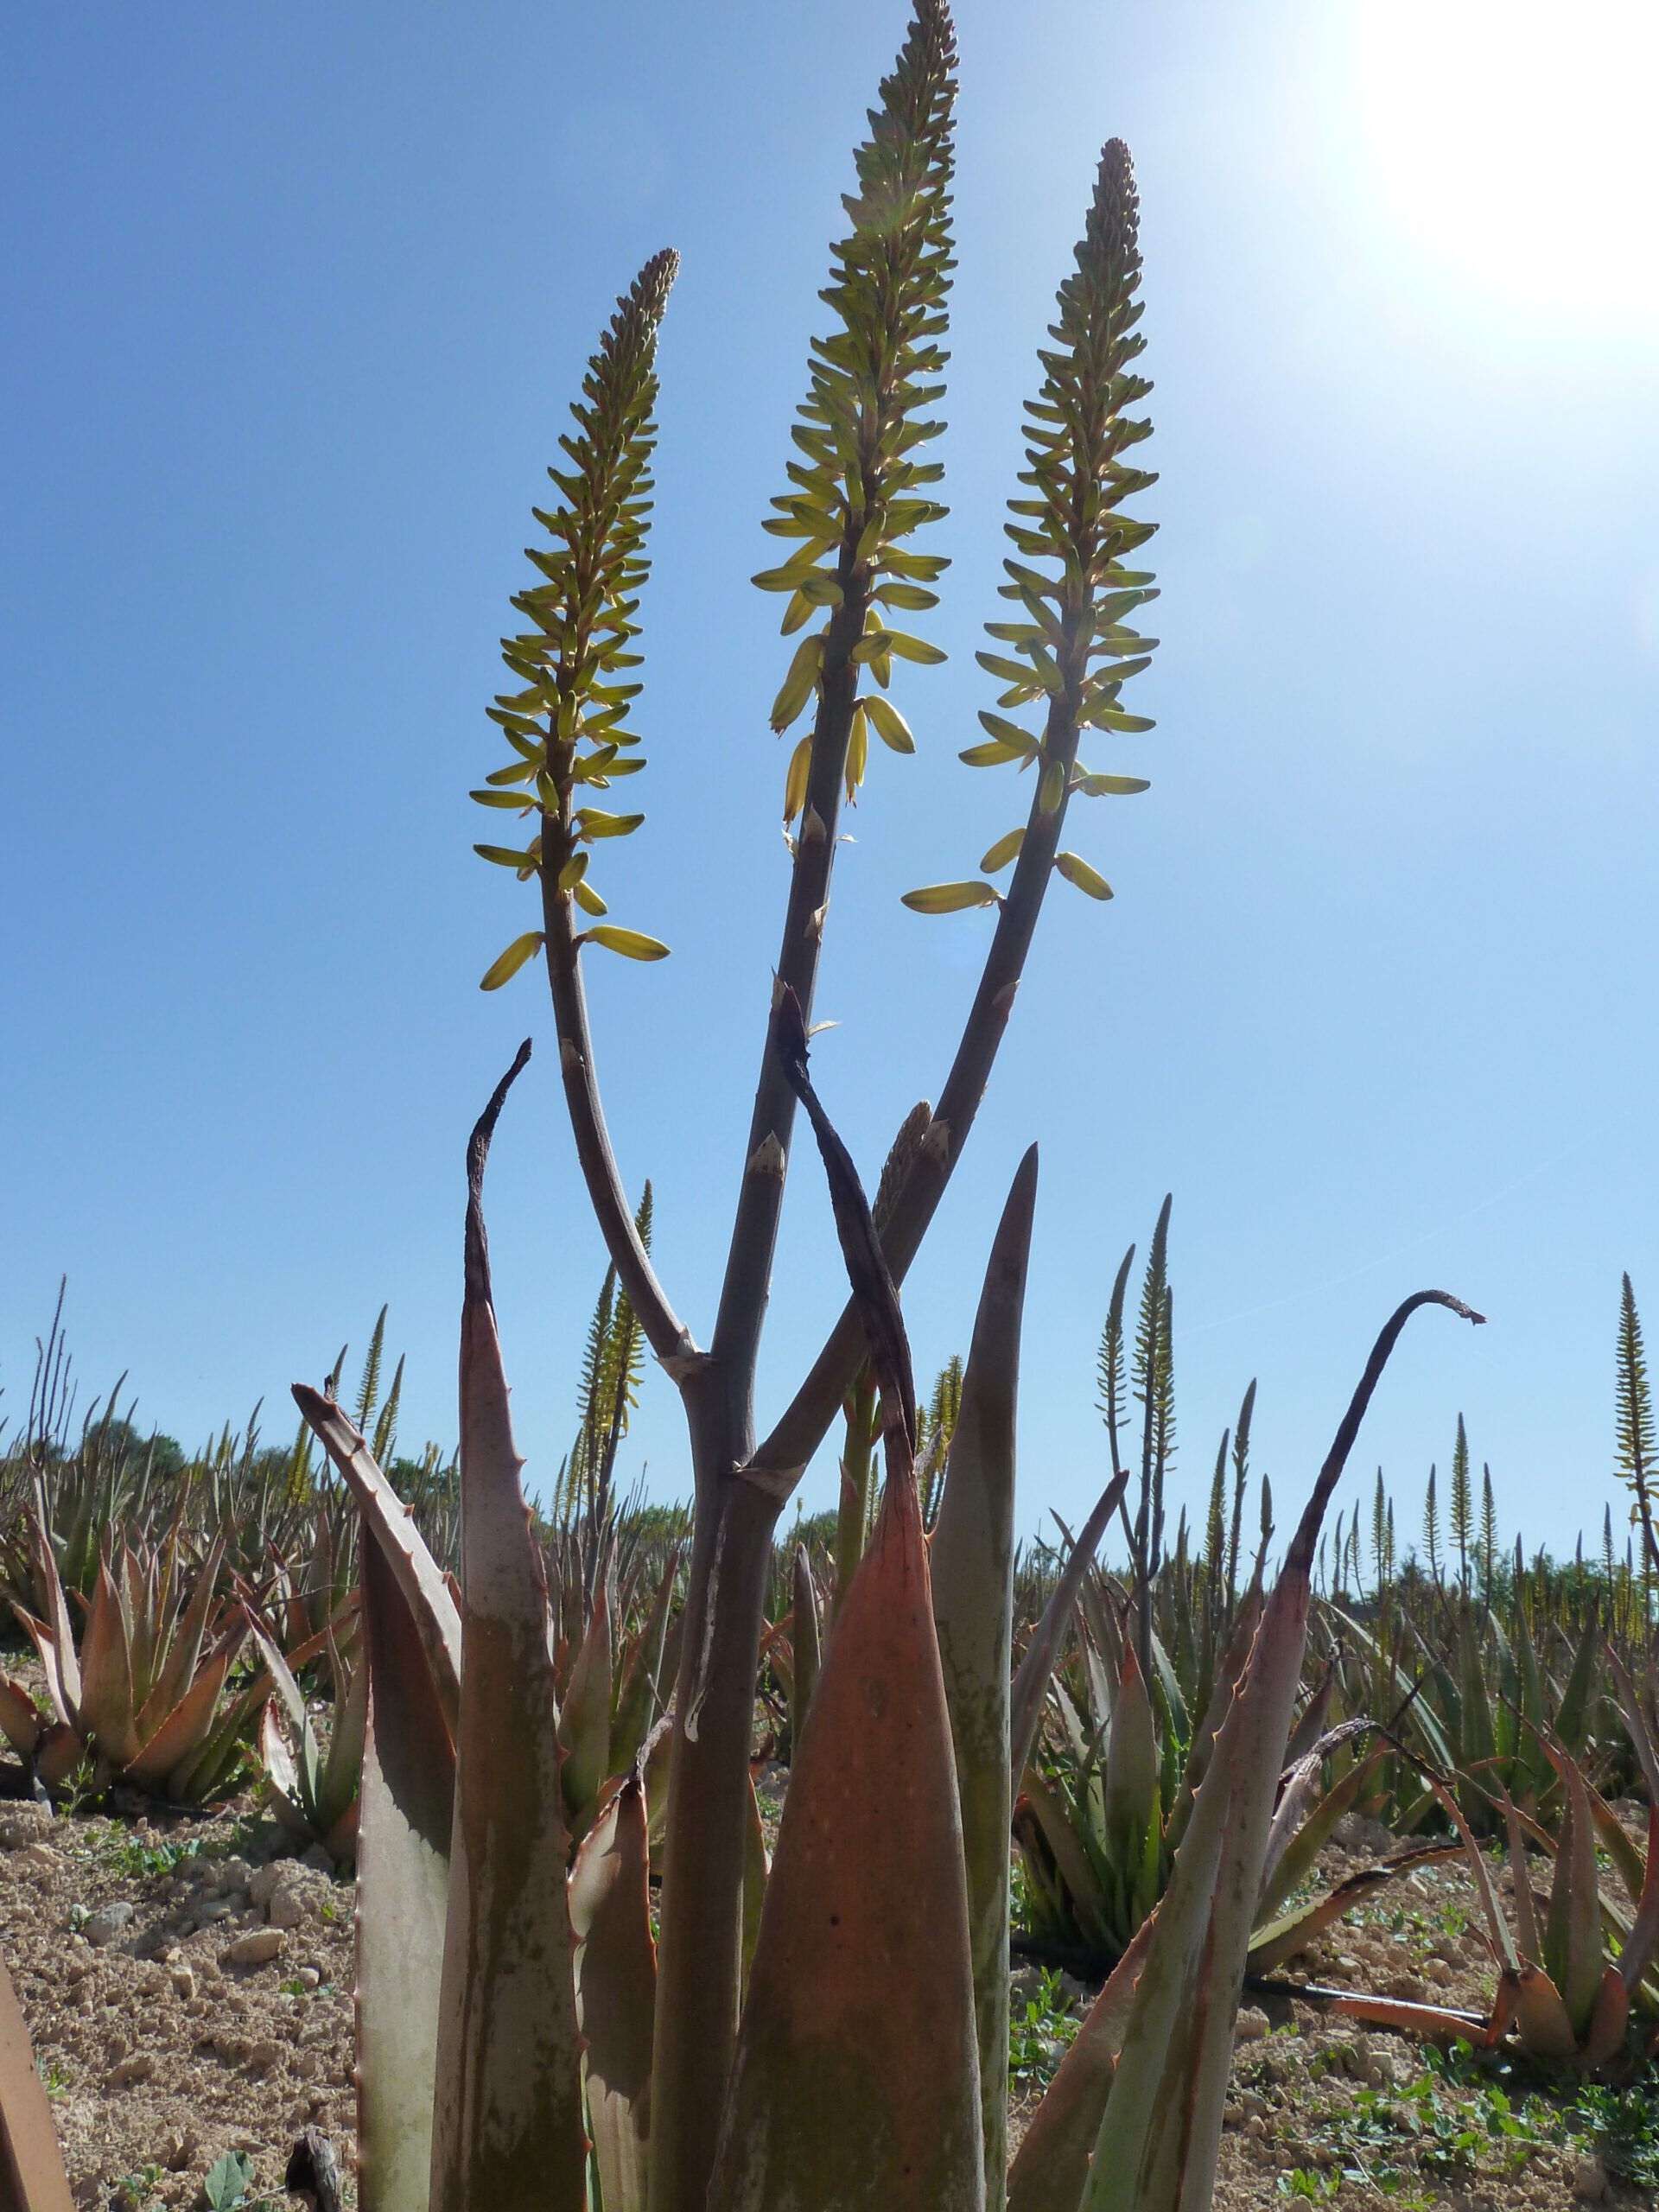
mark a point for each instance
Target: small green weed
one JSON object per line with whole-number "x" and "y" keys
{"x": 1041, "y": 2031}
{"x": 134, "y": 1857}
{"x": 1624, "y": 2124}
{"x": 229, "y": 2185}
{"x": 54, "y": 2078}
{"x": 138, "y": 2191}
{"x": 1308, "y": 2183}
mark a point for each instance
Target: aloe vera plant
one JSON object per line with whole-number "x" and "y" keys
{"x": 1573, "y": 1965}
{"x": 141, "y": 1699}
{"x": 830, "y": 2035}
{"x": 862, "y": 494}
{"x": 314, "y": 1794}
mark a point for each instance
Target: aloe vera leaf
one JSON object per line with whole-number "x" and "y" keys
{"x": 1640, "y": 1944}
{"x": 1051, "y": 2164}
{"x": 402, "y": 1875}
{"x": 1031, "y": 1677}
{"x": 584, "y": 1722}
{"x": 1541, "y": 2019}
{"x": 178, "y": 1668}
{"x": 1573, "y": 1949}
{"x": 1435, "y": 2022}
{"x": 1271, "y": 1946}
{"x": 287, "y": 1800}
{"x": 1159, "y": 2140}
{"x": 1630, "y": 1705}
{"x": 389, "y": 1522}
{"x": 1579, "y": 1694}
{"x": 856, "y": 2085}
{"x": 1131, "y": 1803}
{"x": 1302, "y": 1828}
{"x": 31, "y": 2178}
{"x": 856, "y": 2076}
{"x": 971, "y": 1561}
{"x": 1625, "y": 1854}
{"x": 616, "y": 1991}
{"x": 54, "y": 1638}
{"x": 187, "y": 1727}
{"x": 757, "y": 1872}
{"x": 640, "y": 1700}
{"x": 20, "y": 1717}
{"x": 342, "y": 1771}
{"x": 807, "y": 1655}
{"x": 106, "y": 1713}
{"x": 507, "y": 2129}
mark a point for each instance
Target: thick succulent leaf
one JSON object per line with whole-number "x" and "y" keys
{"x": 856, "y": 2087}
{"x": 757, "y": 1872}
{"x": 971, "y": 1559}
{"x": 1064, "y": 1829}
{"x": 1578, "y": 1694}
{"x": 1636, "y": 1722}
{"x": 54, "y": 1638}
{"x": 20, "y": 1717}
{"x": 1541, "y": 2018}
{"x": 31, "y": 2178}
{"x": 616, "y": 1991}
{"x": 1234, "y": 1661}
{"x": 287, "y": 1802}
{"x": 208, "y": 1770}
{"x": 1573, "y": 1949}
{"x": 1305, "y": 1816}
{"x": 57, "y": 1755}
{"x": 807, "y": 1654}
{"x": 584, "y": 1724}
{"x": 403, "y": 1874}
{"x": 507, "y": 2126}
{"x": 1605, "y": 2036}
{"x": 1271, "y": 1946}
{"x": 856, "y": 2078}
{"x": 190, "y": 1724}
{"x": 391, "y": 1525}
{"x": 342, "y": 1770}
{"x": 183, "y": 1656}
{"x": 641, "y": 1700}
{"x": 1526, "y": 1911}
{"x": 1641, "y": 1943}
{"x": 1435, "y": 2023}
{"x": 1131, "y": 1800}
{"x": 282, "y": 1674}
{"x": 1032, "y": 1676}
{"x": 1051, "y": 2164}
{"x": 1498, "y": 1929}
{"x": 1158, "y": 2144}
{"x": 1312, "y": 1725}
{"x": 106, "y": 1708}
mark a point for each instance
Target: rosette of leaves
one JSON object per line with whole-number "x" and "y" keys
{"x": 568, "y": 724}
{"x": 1072, "y": 649}
{"x": 862, "y": 484}
{"x": 144, "y": 1696}
{"x": 313, "y": 1793}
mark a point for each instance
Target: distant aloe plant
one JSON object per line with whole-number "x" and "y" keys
{"x": 1637, "y": 1449}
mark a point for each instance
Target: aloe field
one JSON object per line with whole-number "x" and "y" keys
{"x": 834, "y": 1820}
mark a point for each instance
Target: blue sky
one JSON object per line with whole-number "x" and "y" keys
{"x": 298, "y": 299}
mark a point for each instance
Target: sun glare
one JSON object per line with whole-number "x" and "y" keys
{"x": 1521, "y": 140}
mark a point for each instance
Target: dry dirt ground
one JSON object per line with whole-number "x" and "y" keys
{"x": 188, "y": 1989}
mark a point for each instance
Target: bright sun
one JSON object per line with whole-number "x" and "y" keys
{"x": 1521, "y": 138}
